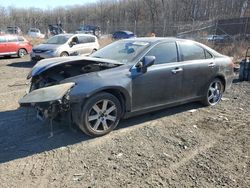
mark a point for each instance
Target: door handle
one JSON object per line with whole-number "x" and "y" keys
{"x": 176, "y": 70}
{"x": 212, "y": 65}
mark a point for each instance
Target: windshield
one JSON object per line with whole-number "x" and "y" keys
{"x": 123, "y": 51}
{"x": 60, "y": 39}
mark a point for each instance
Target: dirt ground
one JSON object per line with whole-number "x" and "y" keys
{"x": 186, "y": 146}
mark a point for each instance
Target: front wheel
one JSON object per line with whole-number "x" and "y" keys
{"x": 100, "y": 115}
{"x": 214, "y": 93}
{"x": 64, "y": 54}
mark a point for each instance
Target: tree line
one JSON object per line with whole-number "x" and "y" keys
{"x": 163, "y": 17}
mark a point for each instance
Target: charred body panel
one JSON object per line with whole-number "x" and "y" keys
{"x": 96, "y": 91}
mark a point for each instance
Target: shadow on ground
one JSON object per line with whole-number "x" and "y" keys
{"x": 22, "y": 135}
{"x": 22, "y": 64}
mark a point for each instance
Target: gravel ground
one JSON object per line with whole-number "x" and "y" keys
{"x": 186, "y": 146}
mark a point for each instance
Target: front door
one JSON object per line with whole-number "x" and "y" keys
{"x": 162, "y": 82}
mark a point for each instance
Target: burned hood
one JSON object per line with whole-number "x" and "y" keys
{"x": 46, "y": 64}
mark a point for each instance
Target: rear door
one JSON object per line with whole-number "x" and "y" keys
{"x": 199, "y": 68}
{"x": 86, "y": 44}
{"x": 161, "y": 84}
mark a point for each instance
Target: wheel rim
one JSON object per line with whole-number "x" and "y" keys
{"x": 22, "y": 53}
{"x": 214, "y": 92}
{"x": 64, "y": 55}
{"x": 102, "y": 116}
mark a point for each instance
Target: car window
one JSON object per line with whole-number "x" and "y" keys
{"x": 208, "y": 55}
{"x": 86, "y": 39}
{"x": 12, "y": 39}
{"x": 191, "y": 51}
{"x": 20, "y": 39}
{"x": 2, "y": 39}
{"x": 164, "y": 53}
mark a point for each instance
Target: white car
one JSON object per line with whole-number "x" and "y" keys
{"x": 65, "y": 45}
{"x": 35, "y": 33}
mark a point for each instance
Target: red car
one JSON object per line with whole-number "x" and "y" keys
{"x": 14, "y": 45}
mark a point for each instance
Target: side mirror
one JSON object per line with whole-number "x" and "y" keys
{"x": 146, "y": 62}
{"x": 71, "y": 44}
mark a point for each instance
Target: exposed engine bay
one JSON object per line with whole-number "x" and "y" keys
{"x": 60, "y": 72}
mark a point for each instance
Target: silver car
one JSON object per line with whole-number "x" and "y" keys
{"x": 65, "y": 45}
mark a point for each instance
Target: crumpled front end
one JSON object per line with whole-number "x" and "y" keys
{"x": 49, "y": 101}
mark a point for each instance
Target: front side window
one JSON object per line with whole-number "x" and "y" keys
{"x": 190, "y": 51}
{"x": 60, "y": 39}
{"x": 164, "y": 53}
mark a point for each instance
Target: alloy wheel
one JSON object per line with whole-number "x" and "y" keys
{"x": 214, "y": 92}
{"x": 102, "y": 115}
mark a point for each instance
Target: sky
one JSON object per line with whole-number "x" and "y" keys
{"x": 43, "y": 4}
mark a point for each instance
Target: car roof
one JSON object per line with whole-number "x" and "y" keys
{"x": 156, "y": 39}
{"x": 80, "y": 34}
{"x": 124, "y": 31}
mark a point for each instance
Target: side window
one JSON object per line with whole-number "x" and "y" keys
{"x": 91, "y": 39}
{"x": 190, "y": 51}
{"x": 2, "y": 39}
{"x": 208, "y": 55}
{"x": 12, "y": 39}
{"x": 21, "y": 39}
{"x": 164, "y": 53}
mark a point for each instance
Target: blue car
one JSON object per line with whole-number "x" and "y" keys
{"x": 123, "y": 35}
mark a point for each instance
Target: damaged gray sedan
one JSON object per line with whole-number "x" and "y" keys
{"x": 127, "y": 78}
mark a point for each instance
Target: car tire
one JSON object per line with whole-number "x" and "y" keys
{"x": 100, "y": 114}
{"x": 64, "y": 54}
{"x": 214, "y": 93}
{"x": 21, "y": 53}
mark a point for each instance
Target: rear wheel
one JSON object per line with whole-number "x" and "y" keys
{"x": 100, "y": 114}
{"x": 214, "y": 93}
{"x": 21, "y": 53}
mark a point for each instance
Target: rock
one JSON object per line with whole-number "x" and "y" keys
{"x": 241, "y": 109}
{"x": 195, "y": 126}
{"x": 78, "y": 177}
{"x": 192, "y": 111}
{"x": 224, "y": 99}
{"x": 119, "y": 155}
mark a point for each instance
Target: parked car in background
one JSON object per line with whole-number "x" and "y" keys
{"x": 123, "y": 35}
{"x": 65, "y": 45}
{"x": 14, "y": 30}
{"x": 35, "y": 33}
{"x": 2, "y": 32}
{"x": 89, "y": 29}
{"x": 219, "y": 38}
{"x": 55, "y": 30}
{"x": 127, "y": 78}
{"x": 14, "y": 45}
